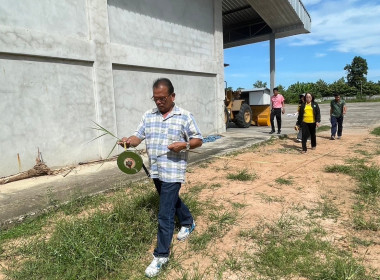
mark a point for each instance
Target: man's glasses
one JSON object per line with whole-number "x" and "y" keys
{"x": 161, "y": 99}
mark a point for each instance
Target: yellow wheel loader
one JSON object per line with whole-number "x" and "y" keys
{"x": 249, "y": 107}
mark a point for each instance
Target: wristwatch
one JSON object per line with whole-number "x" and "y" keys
{"x": 187, "y": 146}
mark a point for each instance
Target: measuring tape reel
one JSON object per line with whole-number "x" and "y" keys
{"x": 129, "y": 162}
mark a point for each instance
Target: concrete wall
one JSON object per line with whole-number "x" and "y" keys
{"x": 64, "y": 64}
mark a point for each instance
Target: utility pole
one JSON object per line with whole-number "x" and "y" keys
{"x": 361, "y": 89}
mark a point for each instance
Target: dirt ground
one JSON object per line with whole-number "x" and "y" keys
{"x": 266, "y": 200}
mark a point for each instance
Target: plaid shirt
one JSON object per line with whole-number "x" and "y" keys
{"x": 178, "y": 126}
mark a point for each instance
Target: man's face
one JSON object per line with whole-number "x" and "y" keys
{"x": 163, "y": 100}
{"x": 275, "y": 92}
{"x": 337, "y": 98}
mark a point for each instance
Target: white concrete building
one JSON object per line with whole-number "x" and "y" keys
{"x": 67, "y": 63}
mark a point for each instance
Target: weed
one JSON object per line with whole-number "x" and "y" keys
{"x": 242, "y": 176}
{"x": 325, "y": 209}
{"x": 269, "y": 199}
{"x": 290, "y": 249}
{"x": 232, "y": 262}
{"x": 355, "y": 160}
{"x": 323, "y": 128}
{"x": 199, "y": 242}
{"x": 237, "y": 205}
{"x": 215, "y": 186}
{"x": 362, "y": 152}
{"x": 369, "y": 180}
{"x": 204, "y": 164}
{"x": 361, "y": 242}
{"x": 336, "y": 168}
{"x": 283, "y": 181}
{"x": 376, "y": 131}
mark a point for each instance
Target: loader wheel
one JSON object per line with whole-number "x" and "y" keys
{"x": 244, "y": 117}
{"x": 226, "y": 117}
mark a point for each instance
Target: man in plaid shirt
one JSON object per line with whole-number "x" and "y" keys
{"x": 169, "y": 132}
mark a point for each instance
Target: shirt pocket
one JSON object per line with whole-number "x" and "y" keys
{"x": 175, "y": 134}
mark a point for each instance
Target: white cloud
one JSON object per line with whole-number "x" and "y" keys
{"x": 320, "y": 54}
{"x": 347, "y": 26}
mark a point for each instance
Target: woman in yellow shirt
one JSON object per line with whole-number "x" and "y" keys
{"x": 309, "y": 118}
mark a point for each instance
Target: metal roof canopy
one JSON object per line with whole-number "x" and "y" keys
{"x": 252, "y": 21}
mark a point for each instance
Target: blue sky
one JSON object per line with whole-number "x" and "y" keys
{"x": 340, "y": 30}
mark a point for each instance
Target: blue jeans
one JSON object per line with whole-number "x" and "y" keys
{"x": 170, "y": 206}
{"x": 336, "y": 121}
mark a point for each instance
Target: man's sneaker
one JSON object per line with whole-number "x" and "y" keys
{"x": 299, "y": 139}
{"x": 338, "y": 137}
{"x": 155, "y": 266}
{"x": 332, "y": 138}
{"x": 185, "y": 232}
{"x": 279, "y": 132}
{"x": 271, "y": 132}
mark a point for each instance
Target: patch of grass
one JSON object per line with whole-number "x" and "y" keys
{"x": 220, "y": 223}
{"x": 366, "y": 210}
{"x": 242, "y": 176}
{"x": 92, "y": 247}
{"x": 362, "y": 152}
{"x": 237, "y": 205}
{"x": 361, "y": 222}
{"x": 269, "y": 199}
{"x": 283, "y": 181}
{"x": 215, "y": 186}
{"x": 323, "y": 128}
{"x": 196, "y": 189}
{"x": 205, "y": 164}
{"x": 98, "y": 244}
{"x": 369, "y": 181}
{"x": 355, "y": 161}
{"x": 361, "y": 242}
{"x": 288, "y": 150}
{"x": 376, "y": 131}
{"x": 232, "y": 262}
{"x": 336, "y": 168}
{"x": 200, "y": 241}
{"x": 325, "y": 209}
{"x": 292, "y": 249}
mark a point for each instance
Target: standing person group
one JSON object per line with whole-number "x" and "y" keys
{"x": 169, "y": 132}
{"x": 309, "y": 118}
{"x": 278, "y": 108}
{"x": 337, "y": 110}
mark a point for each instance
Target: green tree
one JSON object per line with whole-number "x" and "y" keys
{"x": 357, "y": 72}
{"x": 259, "y": 84}
{"x": 321, "y": 88}
{"x": 342, "y": 88}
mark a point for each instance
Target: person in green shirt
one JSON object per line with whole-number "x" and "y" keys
{"x": 337, "y": 110}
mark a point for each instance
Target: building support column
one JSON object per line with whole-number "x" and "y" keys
{"x": 219, "y": 58}
{"x": 272, "y": 55}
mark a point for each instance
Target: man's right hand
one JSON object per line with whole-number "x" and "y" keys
{"x": 125, "y": 142}
{"x": 129, "y": 141}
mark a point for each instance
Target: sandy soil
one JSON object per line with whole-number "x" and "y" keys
{"x": 310, "y": 185}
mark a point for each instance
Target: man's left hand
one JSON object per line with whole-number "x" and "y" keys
{"x": 177, "y": 146}
{"x": 283, "y": 110}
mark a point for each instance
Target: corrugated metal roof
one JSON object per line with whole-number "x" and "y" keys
{"x": 251, "y": 21}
